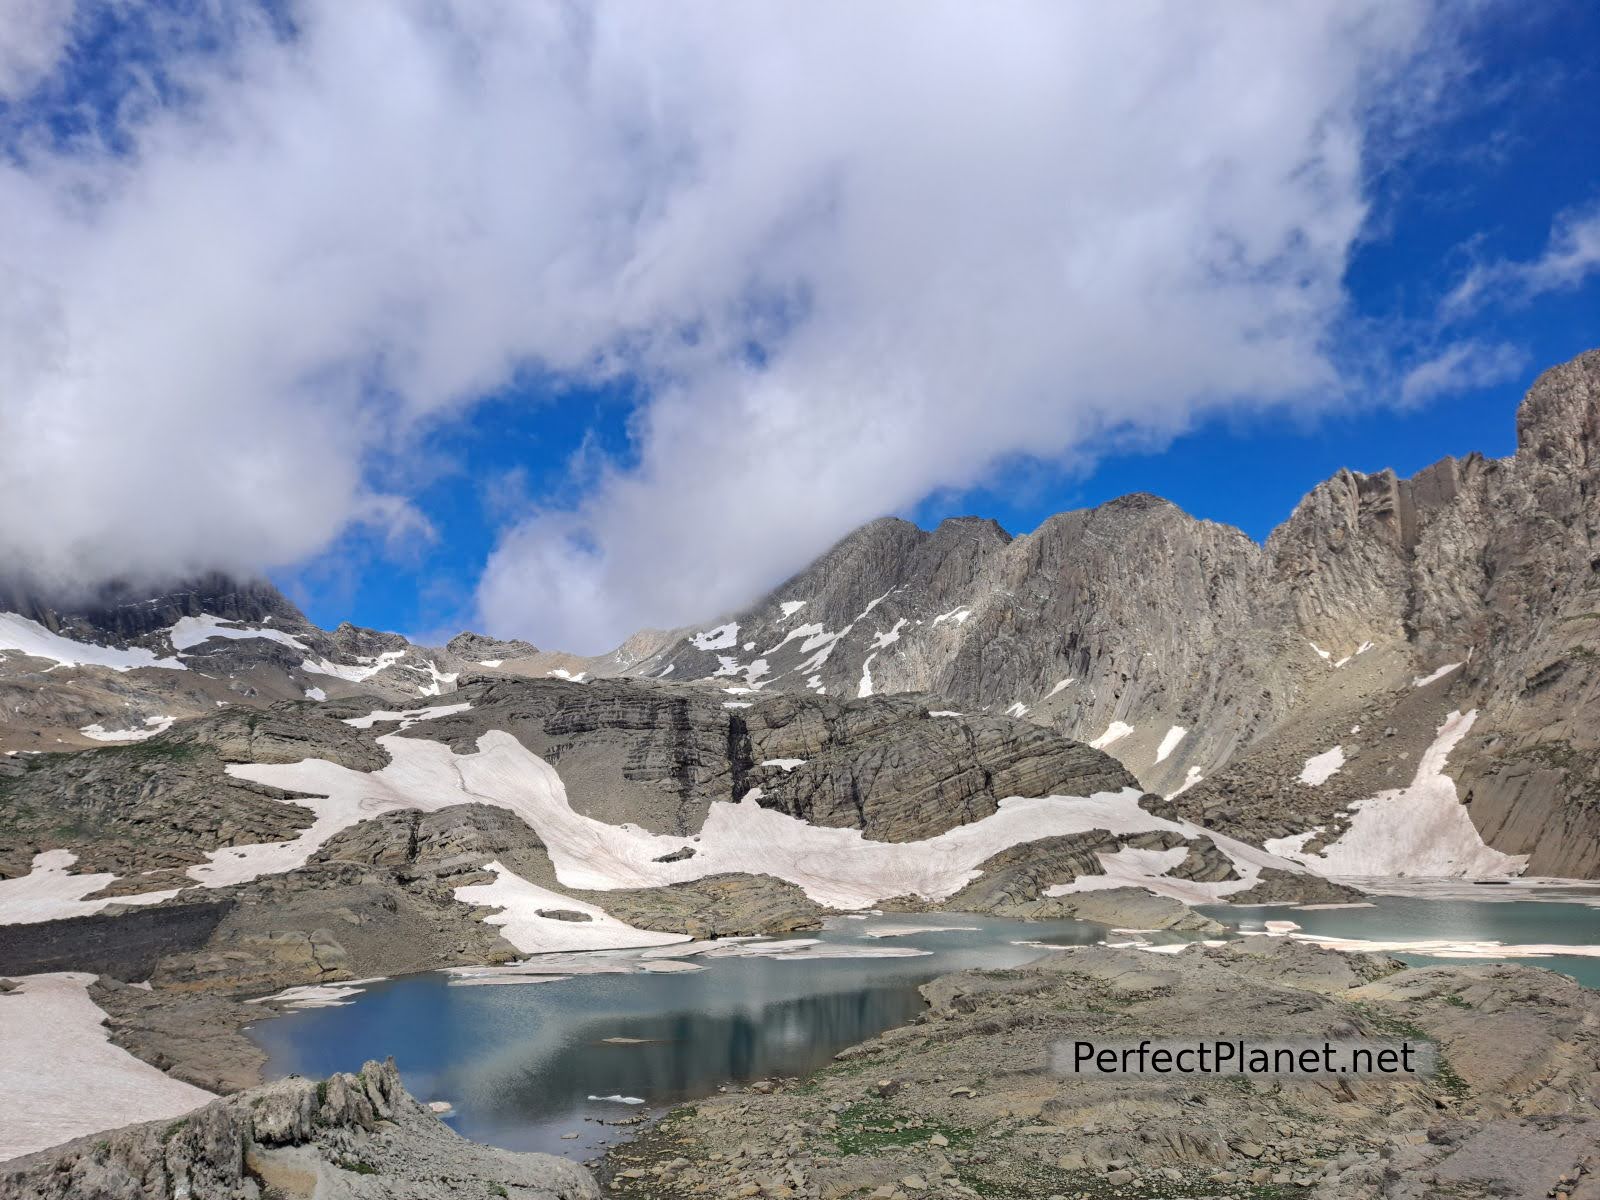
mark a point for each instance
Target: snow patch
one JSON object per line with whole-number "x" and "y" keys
{"x": 790, "y": 607}
{"x": 60, "y": 1076}
{"x": 1115, "y": 731}
{"x": 1019, "y": 710}
{"x": 316, "y": 693}
{"x": 723, "y": 637}
{"x": 880, "y": 640}
{"x": 1320, "y": 768}
{"x": 1324, "y": 655}
{"x": 363, "y": 670}
{"x": 864, "y": 688}
{"x": 33, "y": 639}
{"x": 1435, "y": 676}
{"x": 1060, "y": 684}
{"x": 491, "y": 662}
{"x": 958, "y": 615}
{"x": 563, "y": 673}
{"x": 520, "y": 923}
{"x": 783, "y": 764}
{"x": 408, "y": 716}
{"x": 1420, "y": 829}
{"x": 153, "y": 726}
{"x": 190, "y": 632}
{"x": 1169, "y": 743}
{"x": 49, "y": 891}
{"x": 1191, "y": 778}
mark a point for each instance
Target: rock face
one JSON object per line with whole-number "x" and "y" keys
{"x": 1214, "y": 667}
{"x": 349, "y": 1137}
{"x": 960, "y": 1100}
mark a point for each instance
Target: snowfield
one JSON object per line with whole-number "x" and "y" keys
{"x": 1419, "y": 829}
{"x": 49, "y": 891}
{"x": 60, "y": 1076}
{"x": 34, "y": 640}
{"x": 190, "y": 632}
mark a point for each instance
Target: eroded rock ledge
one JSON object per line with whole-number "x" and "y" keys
{"x": 349, "y": 1136}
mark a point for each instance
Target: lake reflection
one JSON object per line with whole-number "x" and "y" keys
{"x": 520, "y": 1062}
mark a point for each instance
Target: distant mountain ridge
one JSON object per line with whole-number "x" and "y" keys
{"x": 1182, "y": 647}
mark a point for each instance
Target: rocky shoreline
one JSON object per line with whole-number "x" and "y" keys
{"x": 959, "y": 1103}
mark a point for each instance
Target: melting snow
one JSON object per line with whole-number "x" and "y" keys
{"x": 1019, "y": 709}
{"x": 958, "y": 615}
{"x": 1114, "y": 732}
{"x": 563, "y": 673}
{"x": 60, "y": 1076}
{"x": 409, "y": 716}
{"x": 364, "y": 669}
{"x": 33, "y": 639}
{"x": 190, "y": 632}
{"x": 864, "y": 688}
{"x": 1420, "y": 829}
{"x": 1063, "y": 683}
{"x": 784, "y": 764}
{"x": 153, "y": 726}
{"x": 520, "y": 923}
{"x": 1320, "y": 768}
{"x": 1191, "y": 778}
{"x": 316, "y": 693}
{"x": 881, "y": 640}
{"x": 723, "y": 637}
{"x": 49, "y": 891}
{"x": 1169, "y": 743}
{"x": 790, "y": 607}
{"x": 1434, "y": 677}
{"x": 490, "y": 662}
{"x": 1321, "y": 653}
{"x": 943, "y": 712}
{"x": 440, "y": 678}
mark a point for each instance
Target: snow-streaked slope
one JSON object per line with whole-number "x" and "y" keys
{"x": 49, "y": 891}
{"x": 1419, "y": 829}
{"x": 32, "y": 638}
{"x": 190, "y": 632}
{"x": 60, "y": 1076}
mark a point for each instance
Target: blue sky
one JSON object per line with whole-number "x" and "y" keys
{"x": 560, "y": 322}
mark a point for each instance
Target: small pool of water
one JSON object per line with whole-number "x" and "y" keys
{"x": 520, "y": 1063}
{"x": 1451, "y": 922}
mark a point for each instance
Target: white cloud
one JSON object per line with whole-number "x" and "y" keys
{"x": 959, "y": 233}
{"x": 1570, "y": 256}
{"x": 1461, "y": 367}
{"x": 33, "y": 36}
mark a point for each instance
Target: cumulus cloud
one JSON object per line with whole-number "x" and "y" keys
{"x": 1570, "y": 256}
{"x": 1461, "y": 367}
{"x": 853, "y": 252}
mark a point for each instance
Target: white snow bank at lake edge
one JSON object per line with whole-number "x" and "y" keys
{"x": 60, "y": 1076}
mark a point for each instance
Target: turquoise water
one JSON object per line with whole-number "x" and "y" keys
{"x": 519, "y": 1062}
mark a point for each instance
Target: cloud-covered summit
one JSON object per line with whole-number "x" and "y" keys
{"x": 852, "y": 253}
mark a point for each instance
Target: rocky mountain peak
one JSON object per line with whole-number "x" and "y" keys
{"x": 1559, "y": 420}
